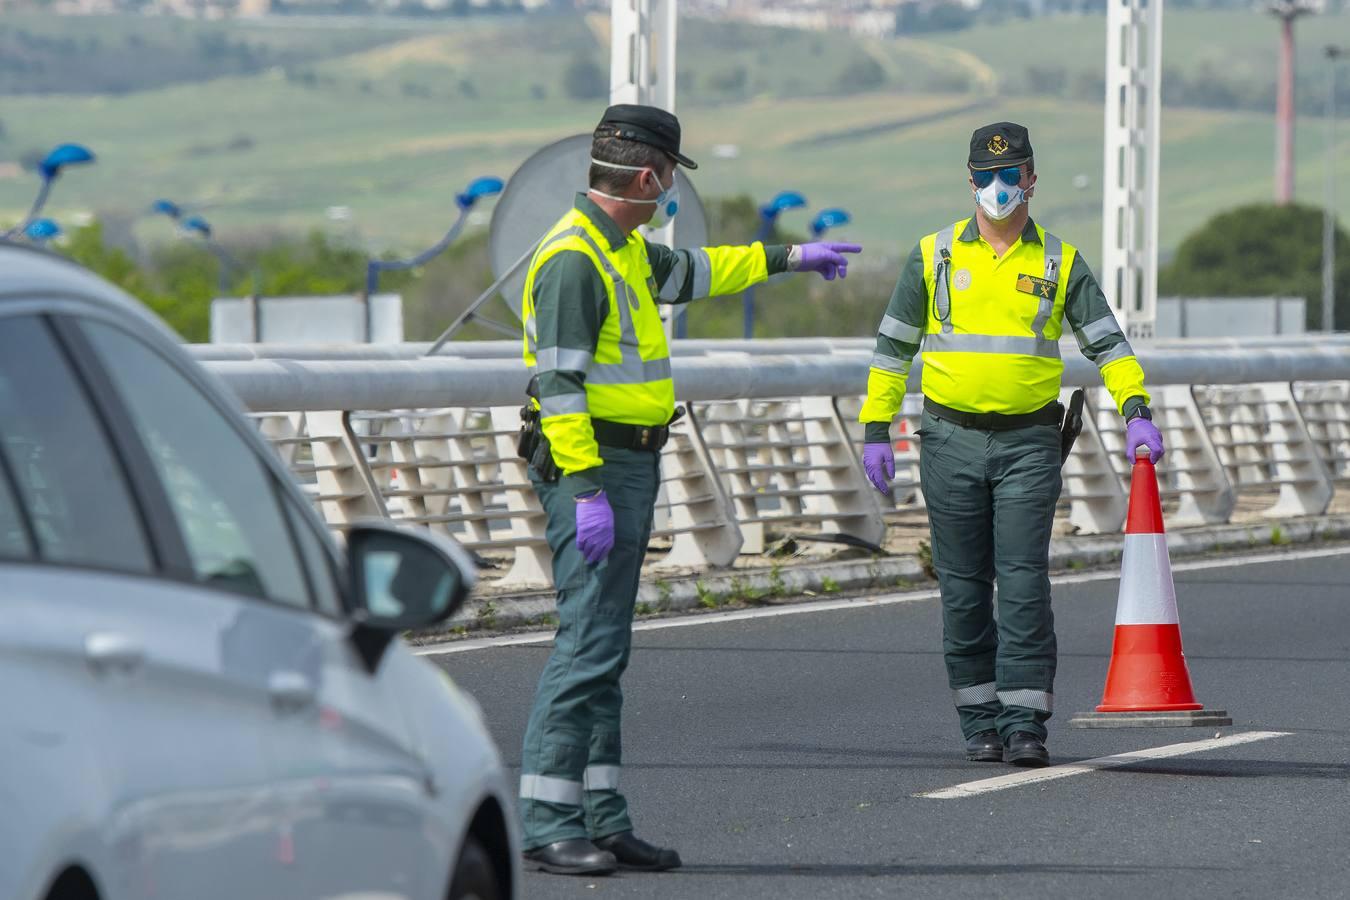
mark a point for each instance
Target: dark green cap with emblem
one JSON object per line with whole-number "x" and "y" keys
{"x": 999, "y": 146}
{"x": 646, "y": 125}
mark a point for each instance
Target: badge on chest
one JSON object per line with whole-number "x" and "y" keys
{"x": 1040, "y": 287}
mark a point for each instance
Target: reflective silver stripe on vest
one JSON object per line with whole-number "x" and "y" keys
{"x": 563, "y": 405}
{"x": 548, "y": 789}
{"x": 941, "y": 293}
{"x": 1119, "y": 351}
{"x": 551, "y": 358}
{"x": 890, "y": 364}
{"x": 991, "y": 343}
{"x": 900, "y": 331}
{"x": 702, "y": 264}
{"x": 1041, "y": 700}
{"x": 975, "y": 694}
{"x": 633, "y": 369}
{"x": 1093, "y": 332}
{"x": 1054, "y": 257}
{"x": 601, "y": 778}
{"x": 670, "y": 289}
{"x": 629, "y": 372}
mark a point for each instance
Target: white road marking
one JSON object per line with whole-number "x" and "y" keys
{"x": 816, "y": 606}
{"x": 1035, "y": 776}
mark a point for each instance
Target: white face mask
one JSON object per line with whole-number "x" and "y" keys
{"x": 999, "y": 200}
{"x": 667, "y": 202}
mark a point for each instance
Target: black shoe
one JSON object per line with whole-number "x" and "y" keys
{"x": 986, "y": 746}
{"x": 634, "y": 853}
{"x": 1026, "y": 750}
{"x": 575, "y": 857}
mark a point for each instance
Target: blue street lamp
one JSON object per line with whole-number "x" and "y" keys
{"x": 62, "y": 156}
{"x": 829, "y": 218}
{"x": 487, "y": 186}
{"x": 768, "y": 217}
{"x": 229, "y": 263}
{"x": 40, "y": 231}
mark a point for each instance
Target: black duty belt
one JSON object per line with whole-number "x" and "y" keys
{"x": 630, "y": 437}
{"x": 1051, "y": 414}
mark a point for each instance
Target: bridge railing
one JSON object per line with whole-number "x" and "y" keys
{"x": 770, "y": 444}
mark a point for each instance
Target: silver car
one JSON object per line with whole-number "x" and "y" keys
{"x": 201, "y": 697}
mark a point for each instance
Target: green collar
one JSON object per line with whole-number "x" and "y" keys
{"x": 601, "y": 220}
{"x": 972, "y": 232}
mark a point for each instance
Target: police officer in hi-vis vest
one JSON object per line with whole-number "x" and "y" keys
{"x": 988, "y": 300}
{"x": 602, "y": 398}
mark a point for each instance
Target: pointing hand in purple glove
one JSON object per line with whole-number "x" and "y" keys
{"x": 1141, "y": 432}
{"x": 879, "y": 464}
{"x": 825, "y": 257}
{"x": 595, "y": 527}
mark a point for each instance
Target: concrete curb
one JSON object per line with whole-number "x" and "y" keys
{"x": 812, "y": 580}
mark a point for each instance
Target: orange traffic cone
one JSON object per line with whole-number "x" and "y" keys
{"x": 1147, "y": 683}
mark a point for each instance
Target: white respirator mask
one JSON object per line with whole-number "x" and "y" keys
{"x": 999, "y": 198}
{"x": 667, "y": 203}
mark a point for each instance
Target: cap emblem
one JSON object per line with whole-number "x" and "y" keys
{"x": 998, "y": 145}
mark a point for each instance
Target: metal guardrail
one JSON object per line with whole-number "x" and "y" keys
{"x": 771, "y": 442}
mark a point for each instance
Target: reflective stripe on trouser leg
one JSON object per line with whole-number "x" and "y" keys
{"x": 1025, "y": 473}
{"x": 975, "y": 694}
{"x": 951, "y": 469}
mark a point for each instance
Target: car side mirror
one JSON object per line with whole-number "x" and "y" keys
{"x": 402, "y": 579}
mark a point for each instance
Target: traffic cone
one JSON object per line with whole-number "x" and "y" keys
{"x": 1147, "y": 683}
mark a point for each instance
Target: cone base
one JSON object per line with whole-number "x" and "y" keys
{"x": 1204, "y": 718}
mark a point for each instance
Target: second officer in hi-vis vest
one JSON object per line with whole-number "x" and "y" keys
{"x": 601, "y": 401}
{"x": 988, "y": 299}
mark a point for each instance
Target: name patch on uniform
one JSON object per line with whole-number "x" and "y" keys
{"x": 1030, "y": 284}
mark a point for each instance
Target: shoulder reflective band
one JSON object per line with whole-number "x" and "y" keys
{"x": 1054, "y": 253}
{"x": 942, "y": 301}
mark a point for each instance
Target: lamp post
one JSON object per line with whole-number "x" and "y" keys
{"x": 486, "y": 186}
{"x": 40, "y": 231}
{"x": 768, "y": 217}
{"x": 52, "y": 164}
{"x": 200, "y": 228}
{"x": 1333, "y": 54}
{"x": 826, "y": 219}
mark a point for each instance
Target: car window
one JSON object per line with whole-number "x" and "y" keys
{"x": 14, "y": 542}
{"x": 68, "y": 479}
{"x": 223, "y": 496}
{"x": 318, "y": 561}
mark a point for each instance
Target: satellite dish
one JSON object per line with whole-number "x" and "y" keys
{"x": 542, "y": 189}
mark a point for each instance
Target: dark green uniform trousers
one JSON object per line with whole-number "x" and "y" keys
{"x": 569, "y": 786}
{"x": 991, "y": 499}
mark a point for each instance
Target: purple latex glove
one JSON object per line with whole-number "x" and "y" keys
{"x": 825, "y": 257}
{"x": 879, "y": 464}
{"x": 1140, "y": 432}
{"x": 595, "y": 527}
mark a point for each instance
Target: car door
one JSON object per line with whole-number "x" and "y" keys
{"x": 124, "y": 726}
{"x": 355, "y": 794}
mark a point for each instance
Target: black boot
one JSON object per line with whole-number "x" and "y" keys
{"x": 575, "y": 857}
{"x": 986, "y": 746}
{"x": 1026, "y": 750}
{"x": 634, "y": 853}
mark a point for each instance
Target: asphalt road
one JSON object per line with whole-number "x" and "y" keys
{"x": 782, "y": 755}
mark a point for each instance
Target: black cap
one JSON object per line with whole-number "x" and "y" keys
{"x": 999, "y": 146}
{"x": 647, "y": 125}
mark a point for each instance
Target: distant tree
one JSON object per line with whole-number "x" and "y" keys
{"x": 584, "y": 79}
{"x": 729, "y": 81}
{"x": 863, "y": 73}
{"x": 1261, "y": 251}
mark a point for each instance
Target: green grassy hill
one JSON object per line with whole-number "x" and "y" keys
{"x": 390, "y": 118}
